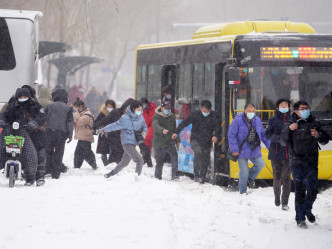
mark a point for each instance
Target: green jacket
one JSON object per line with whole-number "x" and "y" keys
{"x": 161, "y": 122}
{"x": 45, "y": 97}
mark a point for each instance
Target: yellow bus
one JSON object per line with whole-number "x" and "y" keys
{"x": 236, "y": 63}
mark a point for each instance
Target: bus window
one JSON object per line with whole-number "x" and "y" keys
{"x": 140, "y": 84}
{"x": 182, "y": 103}
{"x": 7, "y": 61}
{"x": 198, "y": 85}
{"x": 209, "y": 86}
{"x": 154, "y": 84}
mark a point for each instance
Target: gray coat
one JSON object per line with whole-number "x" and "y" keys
{"x": 60, "y": 117}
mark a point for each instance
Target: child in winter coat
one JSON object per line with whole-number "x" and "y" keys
{"x": 83, "y": 125}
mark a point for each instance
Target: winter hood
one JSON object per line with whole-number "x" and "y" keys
{"x": 159, "y": 112}
{"x": 45, "y": 93}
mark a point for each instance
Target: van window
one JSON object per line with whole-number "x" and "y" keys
{"x": 7, "y": 56}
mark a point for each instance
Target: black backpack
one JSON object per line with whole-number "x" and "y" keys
{"x": 303, "y": 142}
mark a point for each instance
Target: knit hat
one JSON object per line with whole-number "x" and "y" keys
{"x": 166, "y": 104}
{"x": 22, "y": 92}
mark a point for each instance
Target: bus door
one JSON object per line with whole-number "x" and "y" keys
{"x": 168, "y": 81}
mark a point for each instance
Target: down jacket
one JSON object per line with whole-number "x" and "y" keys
{"x": 127, "y": 124}
{"x": 83, "y": 124}
{"x": 238, "y": 132}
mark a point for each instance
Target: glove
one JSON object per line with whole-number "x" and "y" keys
{"x": 100, "y": 131}
{"x": 2, "y": 123}
{"x": 69, "y": 140}
{"x": 32, "y": 125}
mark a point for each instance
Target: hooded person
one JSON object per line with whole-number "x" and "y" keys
{"x": 60, "y": 128}
{"x": 29, "y": 113}
{"x": 104, "y": 144}
{"x": 130, "y": 124}
{"x": 83, "y": 124}
{"x": 45, "y": 97}
{"x": 93, "y": 100}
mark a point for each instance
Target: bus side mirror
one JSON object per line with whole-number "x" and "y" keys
{"x": 233, "y": 77}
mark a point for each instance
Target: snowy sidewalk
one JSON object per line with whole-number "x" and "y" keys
{"x": 84, "y": 210}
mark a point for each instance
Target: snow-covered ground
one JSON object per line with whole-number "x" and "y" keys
{"x": 84, "y": 210}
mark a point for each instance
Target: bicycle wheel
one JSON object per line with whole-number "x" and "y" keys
{"x": 11, "y": 176}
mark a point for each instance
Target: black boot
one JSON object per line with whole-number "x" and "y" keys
{"x": 30, "y": 180}
{"x": 251, "y": 183}
{"x": 311, "y": 218}
{"x": 277, "y": 201}
{"x": 105, "y": 161}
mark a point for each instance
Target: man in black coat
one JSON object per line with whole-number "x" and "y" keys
{"x": 205, "y": 130}
{"x": 60, "y": 127}
{"x": 26, "y": 111}
{"x": 302, "y": 134}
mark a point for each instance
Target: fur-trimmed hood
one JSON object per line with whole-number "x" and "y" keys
{"x": 103, "y": 109}
{"x": 159, "y": 112}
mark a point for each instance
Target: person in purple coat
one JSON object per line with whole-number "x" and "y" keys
{"x": 247, "y": 129}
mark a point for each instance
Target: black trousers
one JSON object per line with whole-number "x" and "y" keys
{"x": 145, "y": 153}
{"x": 56, "y": 141}
{"x": 41, "y": 168}
{"x": 83, "y": 152}
{"x": 281, "y": 176}
{"x": 202, "y": 159}
{"x": 160, "y": 155}
{"x": 117, "y": 153}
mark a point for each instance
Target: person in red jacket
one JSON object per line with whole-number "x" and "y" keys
{"x": 148, "y": 112}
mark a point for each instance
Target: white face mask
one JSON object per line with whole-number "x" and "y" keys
{"x": 109, "y": 109}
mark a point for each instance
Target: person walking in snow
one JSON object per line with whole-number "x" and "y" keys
{"x": 130, "y": 122}
{"x": 278, "y": 154}
{"x": 60, "y": 128}
{"x": 83, "y": 124}
{"x": 104, "y": 143}
{"x": 148, "y": 113}
{"x": 301, "y": 135}
{"x": 164, "y": 125}
{"x": 246, "y": 131}
{"x": 205, "y": 131}
{"x": 45, "y": 97}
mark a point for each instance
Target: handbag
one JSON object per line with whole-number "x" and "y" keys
{"x": 138, "y": 134}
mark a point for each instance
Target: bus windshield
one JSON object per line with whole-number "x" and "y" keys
{"x": 263, "y": 86}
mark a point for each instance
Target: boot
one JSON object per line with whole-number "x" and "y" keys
{"x": 40, "y": 182}
{"x": 30, "y": 180}
{"x": 302, "y": 225}
{"x": 311, "y": 218}
{"x": 108, "y": 175}
{"x": 251, "y": 183}
{"x": 277, "y": 201}
{"x": 149, "y": 163}
{"x": 105, "y": 161}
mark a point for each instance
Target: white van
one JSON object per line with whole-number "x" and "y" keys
{"x": 18, "y": 50}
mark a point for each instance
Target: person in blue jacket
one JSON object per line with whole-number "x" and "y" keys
{"x": 129, "y": 122}
{"x": 278, "y": 154}
{"x": 247, "y": 128}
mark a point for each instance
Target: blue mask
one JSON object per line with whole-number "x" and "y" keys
{"x": 22, "y": 100}
{"x": 144, "y": 106}
{"x": 168, "y": 96}
{"x": 305, "y": 114}
{"x": 166, "y": 112}
{"x": 283, "y": 110}
{"x": 138, "y": 113}
{"x": 250, "y": 115}
{"x": 205, "y": 114}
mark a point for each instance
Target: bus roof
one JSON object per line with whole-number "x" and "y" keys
{"x": 247, "y": 27}
{"x": 24, "y": 14}
{"x": 229, "y": 31}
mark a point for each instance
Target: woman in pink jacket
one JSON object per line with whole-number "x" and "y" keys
{"x": 83, "y": 125}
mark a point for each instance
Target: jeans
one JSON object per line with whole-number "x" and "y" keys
{"x": 246, "y": 173}
{"x": 306, "y": 180}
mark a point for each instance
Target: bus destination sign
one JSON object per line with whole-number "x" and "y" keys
{"x": 296, "y": 53}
